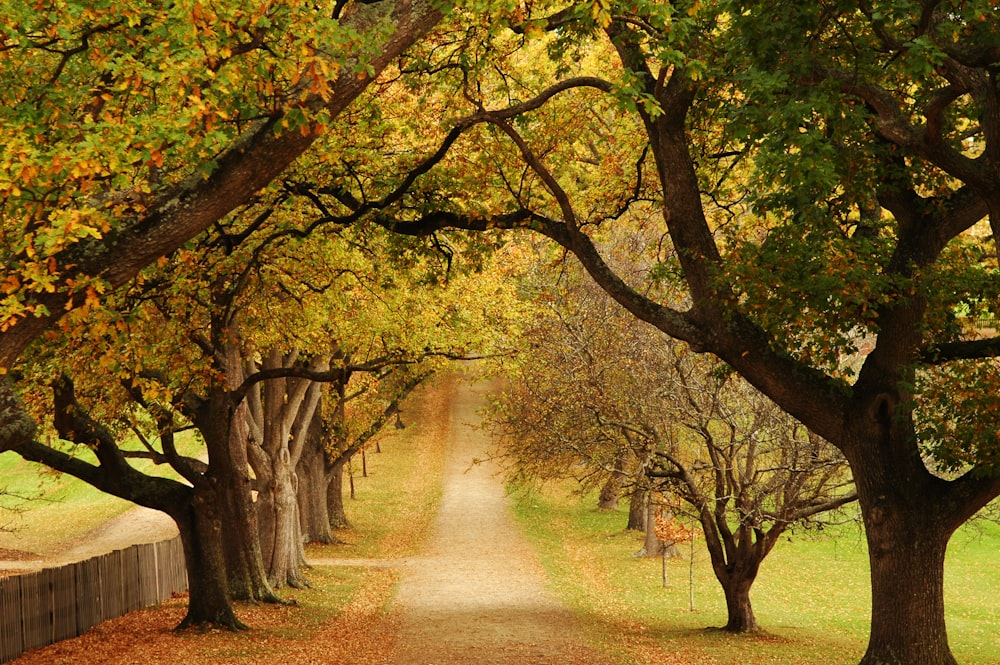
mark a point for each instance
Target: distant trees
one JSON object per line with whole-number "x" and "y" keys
{"x": 592, "y": 387}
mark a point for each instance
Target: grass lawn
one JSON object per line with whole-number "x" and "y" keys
{"x": 812, "y": 596}
{"x": 41, "y": 509}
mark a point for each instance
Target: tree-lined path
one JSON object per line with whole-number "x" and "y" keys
{"x": 478, "y": 593}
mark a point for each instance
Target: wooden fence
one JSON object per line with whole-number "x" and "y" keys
{"x": 54, "y": 604}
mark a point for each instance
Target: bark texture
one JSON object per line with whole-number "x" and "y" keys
{"x": 315, "y": 473}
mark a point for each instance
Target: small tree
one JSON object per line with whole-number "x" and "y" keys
{"x": 747, "y": 470}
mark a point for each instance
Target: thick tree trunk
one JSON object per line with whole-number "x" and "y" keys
{"x": 280, "y": 534}
{"x": 244, "y": 561}
{"x": 906, "y": 549}
{"x": 201, "y": 537}
{"x": 225, "y": 434}
{"x": 908, "y": 525}
{"x": 637, "y": 510}
{"x": 314, "y": 482}
{"x": 739, "y": 611}
{"x": 907, "y": 572}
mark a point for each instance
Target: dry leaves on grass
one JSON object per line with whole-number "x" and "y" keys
{"x": 291, "y": 635}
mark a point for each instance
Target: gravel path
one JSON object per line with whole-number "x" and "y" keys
{"x": 478, "y": 593}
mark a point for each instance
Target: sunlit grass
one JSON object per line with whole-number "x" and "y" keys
{"x": 812, "y": 596}
{"x": 42, "y": 509}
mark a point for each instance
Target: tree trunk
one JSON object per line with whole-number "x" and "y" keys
{"x": 280, "y": 534}
{"x": 907, "y": 573}
{"x": 612, "y": 488}
{"x": 736, "y": 556}
{"x": 282, "y": 411}
{"x": 907, "y": 525}
{"x": 652, "y": 546}
{"x": 739, "y": 611}
{"x": 314, "y": 481}
{"x": 225, "y": 434}
{"x": 201, "y": 537}
{"x": 637, "y": 509}
{"x": 906, "y": 550}
{"x": 335, "y": 495}
{"x": 244, "y": 561}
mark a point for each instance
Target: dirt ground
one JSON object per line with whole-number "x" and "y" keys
{"x": 476, "y": 595}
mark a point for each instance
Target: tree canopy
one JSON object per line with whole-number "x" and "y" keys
{"x": 823, "y": 178}
{"x": 129, "y": 128}
{"x": 826, "y": 177}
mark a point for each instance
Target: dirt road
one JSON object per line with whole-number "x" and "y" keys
{"x": 478, "y": 594}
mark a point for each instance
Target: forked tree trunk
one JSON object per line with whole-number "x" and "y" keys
{"x": 280, "y": 533}
{"x": 739, "y": 610}
{"x": 736, "y": 556}
{"x": 282, "y": 411}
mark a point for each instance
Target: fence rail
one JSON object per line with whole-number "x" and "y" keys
{"x": 37, "y": 609}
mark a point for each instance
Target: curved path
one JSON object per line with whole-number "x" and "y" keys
{"x": 478, "y": 593}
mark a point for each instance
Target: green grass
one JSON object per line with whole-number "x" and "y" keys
{"x": 44, "y": 509}
{"x": 812, "y": 595}
{"x": 60, "y": 508}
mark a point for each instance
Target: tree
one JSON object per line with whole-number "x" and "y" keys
{"x": 748, "y": 471}
{"x": 281, "y": 411}
{"x": 822, "y": 172}
{"x": 129, "y": 129}
{"x": 591, "y": 386}
{"x": 343, "y": 430}
{"x": 137, "y": 391}
{"x": 199, "y": 528}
